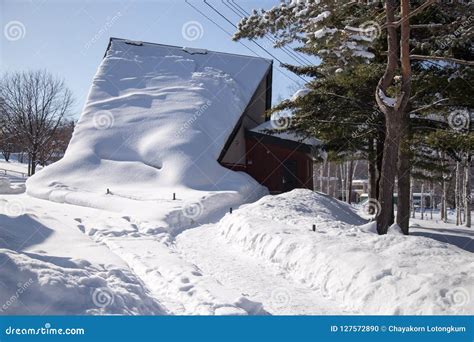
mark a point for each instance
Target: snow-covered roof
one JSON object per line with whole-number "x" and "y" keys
{"x": 271, "y": 127}
{"x": 156, "y": 119}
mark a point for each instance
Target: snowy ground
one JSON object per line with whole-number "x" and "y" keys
{"x": 263, "y": 258}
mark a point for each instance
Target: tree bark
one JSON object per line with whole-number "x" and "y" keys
{"x": 404, "y": 169}
{"x": 457, "y": 189}
{"x": 321, "y": 176}
{"x": 444, "y": 190}
{"x": 422, "y": 201}
{"x": 467, "y": 190}
{"x": 445, "y": 201}
{"x": 34, "y": 161}
{"x": 372, "y": 170}
{"x": 343, "y": 183}
{"x": 328, "y": 182}
{"x": 350, "y": 170}
{"x": 379, "y": 159}
{"x": 394, "y": 113}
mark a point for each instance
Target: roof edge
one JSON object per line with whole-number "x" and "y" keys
{"x": 181, "y": 47}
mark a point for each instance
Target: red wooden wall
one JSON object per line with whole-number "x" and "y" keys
{"x": 279, "y": 167}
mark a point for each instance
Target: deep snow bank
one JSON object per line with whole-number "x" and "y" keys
{"x": 156, "y": 120}
{"x": 391, "y": 274}
{"x": 48, "y": 267}
{"x": 33, "y": 284}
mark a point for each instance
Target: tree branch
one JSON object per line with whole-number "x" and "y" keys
{"x": 412, "y": 13}
{"x": 445, "y": 59}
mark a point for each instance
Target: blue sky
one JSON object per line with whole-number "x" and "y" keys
{"x": 69, "y": 38}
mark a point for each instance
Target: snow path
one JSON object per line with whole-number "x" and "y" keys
{"x": 261, "y": 281}
{"x": 179, "y": 285}
{"x": 210, "y": 278}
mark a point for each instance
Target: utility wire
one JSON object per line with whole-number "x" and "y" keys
{"x": 220, "y": 27}
{"x": 230, "y": 34}
{"x": 253, "y": 41}
{"x": 291, "y": 51}
{"x": 268, "y": 37}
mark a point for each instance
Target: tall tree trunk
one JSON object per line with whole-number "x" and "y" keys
{"x": 457, "y": 189}
{"x": 422, "y": 200}
{"x": 467, "y": 190}
{"x": 29, "y": 164}
{"x": 328, "y": 179}
{"x": 379, "y": 159}
{"x": 321, "y": 176}
{"x": 445, "y": 201}
{"x": 412, "y": 204}
{"x": 350, "y": 170}
{"x": 372, "y": 170}
{"x": 443, "y": 190}
{"x": 33, "y": 163}
{"x": 404, "y": 169}
{"x": 343, "y": 183}
{"x": 431, "y": 200}
{"x": 394, "y": 114}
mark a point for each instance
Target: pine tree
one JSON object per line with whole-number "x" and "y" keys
{"x": 407, "y": 34}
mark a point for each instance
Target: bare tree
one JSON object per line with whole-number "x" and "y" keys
{"x": 35, "y": 104}
{"x": 57, "y": 146}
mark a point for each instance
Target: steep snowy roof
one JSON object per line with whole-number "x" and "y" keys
{"x": 155, "y": 121}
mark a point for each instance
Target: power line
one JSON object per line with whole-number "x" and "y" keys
{"x": 289, "y": 50}
{"x": 230, "y": 34}
{"x": 253, "y": 41}
{"x": 220, "y": 27}
{"x": 268, "y": 37}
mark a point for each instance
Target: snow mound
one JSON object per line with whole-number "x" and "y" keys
{"x": 390, "y": 274}
{"x": 154, "y": 124}
{"x": 44, "y": 285}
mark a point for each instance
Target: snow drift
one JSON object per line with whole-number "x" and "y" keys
{"x": 52, "y": 270}
{"x": 391, "y": 274}
{"x": 156, "y": 119}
